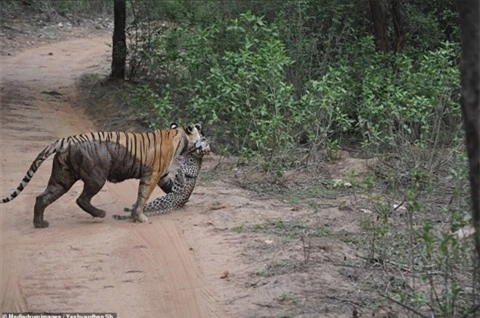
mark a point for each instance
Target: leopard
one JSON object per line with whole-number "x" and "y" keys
{"x": 182, "y": 187}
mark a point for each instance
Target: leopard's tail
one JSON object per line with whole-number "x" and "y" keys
{"x": 151, "y": 211}
{"x": 42, "y": 156}
{"x": 119, "y": 217}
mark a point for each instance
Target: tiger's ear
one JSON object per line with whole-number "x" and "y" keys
{"x": 190, "y": 128}
{"x": 173, "y": 125}
{"x": 198, "y": 126}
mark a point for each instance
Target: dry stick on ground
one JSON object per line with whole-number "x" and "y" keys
{"x": 406, "y": 307}
{"x": 469, "y": 16}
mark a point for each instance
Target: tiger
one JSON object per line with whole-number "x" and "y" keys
{"x": 183, "y": 185}
{"x": 98, "y": 157}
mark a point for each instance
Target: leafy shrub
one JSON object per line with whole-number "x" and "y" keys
{"x": 318, "y": 34}
{"x": 233, "y": 74}
{"x": 155, "y": 110}
{"x": 438, "y": 268}
{"x": 247, "y": 89}
{"x": 390, "y": 100}
{"x": 240, "y": 85}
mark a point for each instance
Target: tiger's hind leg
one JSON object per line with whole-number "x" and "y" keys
{"x": 90, "y": 188}
{"x": 60, "y": 182}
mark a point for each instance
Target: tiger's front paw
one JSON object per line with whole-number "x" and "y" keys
{"x": 140, "y": 218}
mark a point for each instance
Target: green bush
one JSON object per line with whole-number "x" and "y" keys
{"x": 390, "y": 100}
{"x": 155, "y": 110}
{"x": 233, "y": 74}
{"x": 239, "y": 84}
{"x": 247, "y": 90}
{"x": 318, "y": 33}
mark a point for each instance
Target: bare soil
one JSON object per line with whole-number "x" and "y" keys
{"x": 230, "y": 252}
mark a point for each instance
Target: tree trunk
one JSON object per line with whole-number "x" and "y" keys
{"x": 397, "y": 18}
{"x": 379, "y": 25}
{"x": 119, "y": 45}
{"x": 469, "y": 16}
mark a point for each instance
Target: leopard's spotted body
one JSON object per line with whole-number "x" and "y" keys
{"x": 183, "y": 185}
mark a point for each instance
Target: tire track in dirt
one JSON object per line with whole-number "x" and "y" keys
{"x": 79, "y": 264}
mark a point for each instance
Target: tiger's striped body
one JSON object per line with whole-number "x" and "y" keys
{"x": 98, "y": 157}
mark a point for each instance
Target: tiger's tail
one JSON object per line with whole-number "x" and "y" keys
{"x": 42, "y": 156}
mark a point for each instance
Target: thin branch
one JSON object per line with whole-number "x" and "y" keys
{"x": 405, "y": 306}
{"x": 474, "y": 310}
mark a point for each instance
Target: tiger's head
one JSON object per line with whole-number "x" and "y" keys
{"x": 193, "y": 137}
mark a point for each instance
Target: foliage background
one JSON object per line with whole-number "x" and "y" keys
{"x": 296, "y": 74}
{"x": 277, "y": 82}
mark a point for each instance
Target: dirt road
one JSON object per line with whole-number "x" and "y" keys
{"x": 80, "y": 264}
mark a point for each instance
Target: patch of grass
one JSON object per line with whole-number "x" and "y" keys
{"x": 91, "y": 78}
{"x": 279, "y": 227}
{"x": 289, "y": 229}
{"x": 285, "y": 297}
{"x": 354, "y": 240}
{"x": 322, "y": 231}
{"x": 280, "y": 268}
{"x": 238, "y": 229}
{"x": 299, "y": 192}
